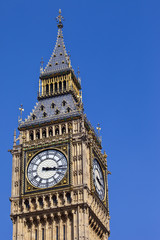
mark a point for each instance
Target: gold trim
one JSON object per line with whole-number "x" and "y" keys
{"x": 104, "y": 177}
{"x": 28, "y": 162}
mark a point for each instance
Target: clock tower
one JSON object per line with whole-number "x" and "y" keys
{"x": 59, "y": 174}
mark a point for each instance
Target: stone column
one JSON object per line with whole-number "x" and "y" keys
{"x": 47, "y": 133}
{"x": 40, "y": 132}
{"x": 53, "y": 130}
{"x": 60, "y": 129}
{"x": 75, "y": 225}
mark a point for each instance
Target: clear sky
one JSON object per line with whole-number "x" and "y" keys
{"x": 116, "y": 44}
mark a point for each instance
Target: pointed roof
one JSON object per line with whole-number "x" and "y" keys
{"x": 59, "y": 60}
{"x": 46, "y": 110}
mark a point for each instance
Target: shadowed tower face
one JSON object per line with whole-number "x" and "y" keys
{"x": 59, "y": 174}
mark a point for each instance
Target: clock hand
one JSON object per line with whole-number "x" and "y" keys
{"x": 48, "y": 168}
{"x": 98, "y": 181}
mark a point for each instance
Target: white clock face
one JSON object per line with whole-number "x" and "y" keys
{"x": 98, "y": 179}
{"x": 47, "y": 168}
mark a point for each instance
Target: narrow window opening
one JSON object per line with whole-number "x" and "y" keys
{"x": 64, "y": 85}
{"x": 68, "y": 195}
{"x": 63, "y": 130}
{"x": 51, "y": 88}
{"x": 37, "y": 135}
{"x": 36, "y": 234}
{"x": 72, "y": 230}
{"x": 64, "y": 232}
{"x": 60, "y": 86}
{"x": 44, "y": 133}
{"x": 55, "y": 86}
{"x": 27, "y": 204}
{"x": 57, "y": 233}
{"x": 54, "y": 200}
{"x": 50, "y": 132}
{"x": 31, "y": 136}
{"x": 42, "y": 233}
{"x": 57, "y": 131}
{"x": 47, "y": 88}
{"x": 40, "y": 200}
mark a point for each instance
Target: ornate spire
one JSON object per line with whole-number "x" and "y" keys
{"x": 59, "y": 60}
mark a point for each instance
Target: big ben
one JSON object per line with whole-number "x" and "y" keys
{"x": 59, "y": 173}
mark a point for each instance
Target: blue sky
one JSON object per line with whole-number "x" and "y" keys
{"x": 116, "y": 44}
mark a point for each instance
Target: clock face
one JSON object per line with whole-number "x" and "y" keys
{"x": 47, "y": 168}
{"x": 98, "y": 179}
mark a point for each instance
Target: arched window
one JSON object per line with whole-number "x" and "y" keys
{"x": 60, "y": 86}
{"x": 42, "y": 233}
{"x": 54, "y": 198}
{"x": 68, "y": 195}
{"x": 27, "y": 204}
{"x": 51, "y": 88}
{"x": 44, "y": 133}
{"x": 55, "y": 87}
{"x": 37, "y": 135}
{"x": 63, "y": 130}
{"x": 31, "y": 135}
{"x": 50, "y": 132}
{"x": 57, "y": 131}
{"x": 64, "y": 85}
{"x": 40, "y": 200}
{"x": 47, "y": 88}
{"x": 35, "y": 234}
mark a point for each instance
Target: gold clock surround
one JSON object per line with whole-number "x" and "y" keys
{"x": 63, "y": 183}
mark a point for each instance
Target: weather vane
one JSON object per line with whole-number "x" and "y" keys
{"x": 59, "y": 19}
{"x": 21, "y": 110}
{"x": 98, "y": 128}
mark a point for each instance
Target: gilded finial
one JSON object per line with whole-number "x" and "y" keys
{"x": 98, "y": 128}
{"x": 59, "y": 20}
{"x": 78, "y": 72}
{"x": 21, "y": 110}
{"x": 105, "y": 155}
